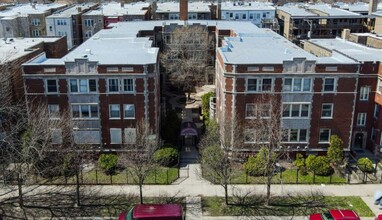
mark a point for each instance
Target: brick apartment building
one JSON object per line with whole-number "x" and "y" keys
{"x": 108, "y": 84}
{"x": 317, "y": 95}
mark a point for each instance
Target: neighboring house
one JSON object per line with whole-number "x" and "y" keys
{"x": 98, "y": 19}
{"x": 15, "y": 51}
{"x": 26, "y": 20}
{"x": 108, "y": 84}
{"x": 170, "y": 11}
{"x": 316, "y": 95}
{"x": 68, "y": 22}
{"x": 262, "y": 14}
{"x": 367, "y": 119}
{"x": 299, "y": 22}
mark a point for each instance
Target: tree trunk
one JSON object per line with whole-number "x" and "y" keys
{"x": 20, "y": 189}
{"x": 226, "y": 193}
{"x": 78, "y": 201}
{"x": 267, "y": 201}
{"x": 140, "y": 193}
{"x": 189, "y": 95}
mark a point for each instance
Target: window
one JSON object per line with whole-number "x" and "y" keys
{"x": 251, "y": 16}
{"x": 329, "y": 85}
{"x": 250, "y": 111}
{"x": 89, "y": 22}
{"x": 379, "y": 86}
{"x": 36, "y": 22}
{"x": 324, "y": 135}
{"x": 129, "y": 111}
{"x": 253, "y": 68}
{"x": 265, "y": 111}
{"x": 259, "y": 85}
{"x": 54, "y": 111}
{"x": 112, "y": 69}
{"x": 50, "y": 70}
{"x": 82, "y": 85}
{"x": 127, "y": 69}
{"x": 51, "y": 86}
{"x": 297, "y": 85}
{"x": 128, "y": 85}
{"x": 114, "y": 111}
{"x": 361, "y": 119}
{"x": 85, "y": 111}
{"x": 130, "y": 135}
{"x": 61, "y": 22}
{"x": 376, "y": 110}
{"x": 327, "y": 111}
{"x": 113, "y": 85}
{"x": 331, "y": 69}
{"x": 88, "y": 34}
{"x": 295, "y": 135}
{"x": 115, "y": 136}
{"x": 296, "y": 110}
{"x": 364, "y": 93}
{"x": 36, "y": 33}
{"x": 268, "y": 68}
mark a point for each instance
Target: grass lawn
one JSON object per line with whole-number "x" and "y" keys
{"x": 282, "y": 206}
{"x": 287, "y": 176}
{"x": 160, "y": 175}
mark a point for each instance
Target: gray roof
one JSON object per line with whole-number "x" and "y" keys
{"x": 296, "y": 11}
{"x": 356, "y": 51}
{"x": 72, "y": 10}
{"x": 173, "y": 7}
{"x": 115, "y": 9}
{"x": 331, "y": 11}
{"x": 247, "y": 6}
{"x": 25, "y": 9}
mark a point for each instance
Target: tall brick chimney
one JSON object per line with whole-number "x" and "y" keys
{"x": 183, "y": 10}
{"x": 373, "y": 4}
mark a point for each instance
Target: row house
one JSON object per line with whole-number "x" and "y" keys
{"x": 299, "y": 22}
{"x": 26, "y": 20}
{"x": 174, "y": 10}
{"x": 108, "y": 84}
{"x": 367, "y": 125}
{"x": 262, "y": 14}
{"x": 108, "y": 13}
{"x": 68, "y": 22}
{"x": 315, "y": 95}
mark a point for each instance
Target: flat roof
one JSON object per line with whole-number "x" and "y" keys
{"x": 14, "y": 48}
{"x": 247, "y": 6}
{"x": 296, "y": 11}
{"x": 25, "y": 9}
{"x": 73, "y": 10}
{"x": 332, "y": 11}
{"x": 115, "y": 9}
{"x": 173, "y": 7}
{"x": 356, "y": 51}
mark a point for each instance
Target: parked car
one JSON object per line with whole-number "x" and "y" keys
{"x": 335, "y": 215}
{"x": 153, "y": 212}
{"x": 379, "y": 217}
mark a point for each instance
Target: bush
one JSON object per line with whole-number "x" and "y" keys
{"x": 365, "y": 165}
{"x": 166, "y": 156}
{"x": 255, "y": 166}
{"x": 319, "y": 165}
{"x": 108, "y": 162}
{"x": 206, "y": 104}
{"x": 335, "y": 150}
{"x": 299, "y": 161}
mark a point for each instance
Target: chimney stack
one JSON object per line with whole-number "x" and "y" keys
{"x": 345, "y": 34}
{"x": 373, "y": 4}
{"x": 183, "y": 10}
{"x": 122, "y": 3}
{"x": 79, "y": 9}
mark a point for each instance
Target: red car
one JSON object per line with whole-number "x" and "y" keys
{"x": 153, "y": 212}
{"x": 335, "y": 215}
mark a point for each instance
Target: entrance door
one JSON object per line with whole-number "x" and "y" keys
{"x": 358, "y": 140}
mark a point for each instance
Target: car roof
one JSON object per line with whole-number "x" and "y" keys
{"x": 166, "y": 210}
{"x": 344, "y": 215}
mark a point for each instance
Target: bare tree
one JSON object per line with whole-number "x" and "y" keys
{"x": 139, "y": 146}
{"x": 186, "y": 55}
{"x": 267, "y": 132}
{"x": 217, "y": 146}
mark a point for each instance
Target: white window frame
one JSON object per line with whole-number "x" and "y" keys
{"x": 54, "y": 111}
{"x": 324, "y": 141}
{"x": 379, "y": 86}
{"x": 253, "y": 68}
{"x": 334, "y": 85}
{"x": 288, "y": 134}
{"x": 119, "y": 111}
{"x": 89, "y": 22}
{"x": 127, "y": 69}
{"x": 302, "y": 85}
{"x": 132, "y": 85}
{"x": 119, "y": 133}
{"x": 36, "y": 22}
{"x": 376, "y": 111}
{"x": 331, "y": 111}
{"x": 247, "y": 106}
{"x": 46, "y": 86}
{"x": 268, "y": 68}
{"x": 129, "y": 133}
{"x": 361, "y": 118}
{"x": 259, "y": 84}
{"x": 364, "y": 93}
{"x": 78, "y": 85}
{"x": 50, "y": 70}
{"x": 89, "y": 106}
{"x": 124, "y": 111}
{"x": 118, "y": 85}
{"x": 291, "y": 104}
{"x": 331, "y": 68}
{"x": 112, "y": 69}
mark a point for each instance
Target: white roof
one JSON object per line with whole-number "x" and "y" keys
{"x": 247, "y": 6}
{"x": 14, "y": 48}
{"x": 115, "y": 9}
{"x": 356, "y": 51}
{"x": 296, "y": 11}
{"x": 72, "y": 10}
{"x": 173, "y": 7}
{"x": 331, "y": 11}
{"x": 25, "y": 9}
